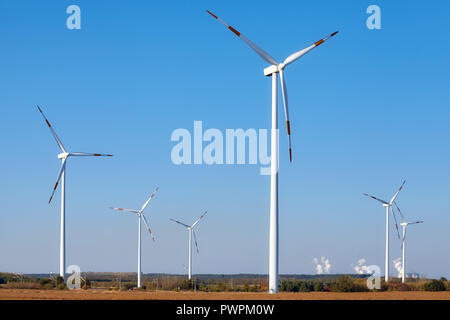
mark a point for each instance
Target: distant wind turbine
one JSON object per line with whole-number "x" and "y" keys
{"x": 274, "y": 69}
{"x": 141, "y": 216}
{"x": 388, "y": 206}
{"x": 64, "y": 155}
{"x": 405, "y": 224}
{"x": 190, "y": 232}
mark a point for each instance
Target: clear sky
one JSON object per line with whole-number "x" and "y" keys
{"x": 368, "y": 108}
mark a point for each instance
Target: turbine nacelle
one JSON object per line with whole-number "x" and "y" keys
{"x": 270, "y": 70}
{"x": 274, "y": 69}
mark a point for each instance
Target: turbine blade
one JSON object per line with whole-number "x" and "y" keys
{"x": 126, "y": 210}
{"x": 396, "y": 224}
{"x": 401, "y": 214}
{"x": 301, "y": 53}
{"x": 198, "y": 220}
{"x": 382, "y": 201}
{"x": 148, "y": 227}
{"x": 53, "y": 131}
{"x": 396, "y": 194}
{"x": 87, "y": 154}
{"x": 195, "y": 240}
{"x": 257, "y": 49}
{"x": 286, "y": 112}
{"x": 151, "y": 196}
{"x": 404, "y": 236}
{"x": 180, "y": 223}
{"x": 63, "y": 168}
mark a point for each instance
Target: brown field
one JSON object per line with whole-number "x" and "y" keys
{"x": 101, "y": 294}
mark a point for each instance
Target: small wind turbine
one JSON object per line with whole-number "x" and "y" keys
{"x": 388, "y": 205}
{"x": 275, "y": 68}
{"x": 190, "y": 232}
{"x": 141, "y": 216}
{"x": 64, "y": 155}
{"x": 404, "y": 224}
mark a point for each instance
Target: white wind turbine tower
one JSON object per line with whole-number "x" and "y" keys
{"x": 404, "y": 224}
{"x": 191, "y": 231}
{"x": 140, "y": 217}
{"x": 388, "y": 206}
{"x": 275, "y": 68}
{"x": 64, "y": 155}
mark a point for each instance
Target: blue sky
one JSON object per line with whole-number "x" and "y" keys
{"x": 368, "y": 109}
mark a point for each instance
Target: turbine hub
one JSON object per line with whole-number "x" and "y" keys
{"x": 281, "y": 66}
{"x": 63, "y": 155}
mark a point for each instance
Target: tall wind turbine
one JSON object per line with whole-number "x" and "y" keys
{"x": 274, "y": 69}
{"x": 64, "y": 155}
{"x": 404, "y": 224}
{"x": 388, "y": 206}
{"x": 191, "y": 232}
{"x": 140, "y": 216}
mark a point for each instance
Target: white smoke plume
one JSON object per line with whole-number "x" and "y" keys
{"x": 361, "y": 268}
{"x": 398, "y": 266}
{"x": 322, "y": 266}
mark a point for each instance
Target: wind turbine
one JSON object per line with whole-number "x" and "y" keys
{"x": 64, "y": 155}
{"x": 388, "y": 206}
{"x": 141, "y": 216}
{"x": 404, "y": 224}
{"x": 275, "y": 68}
{"x": 190, "y": 232}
